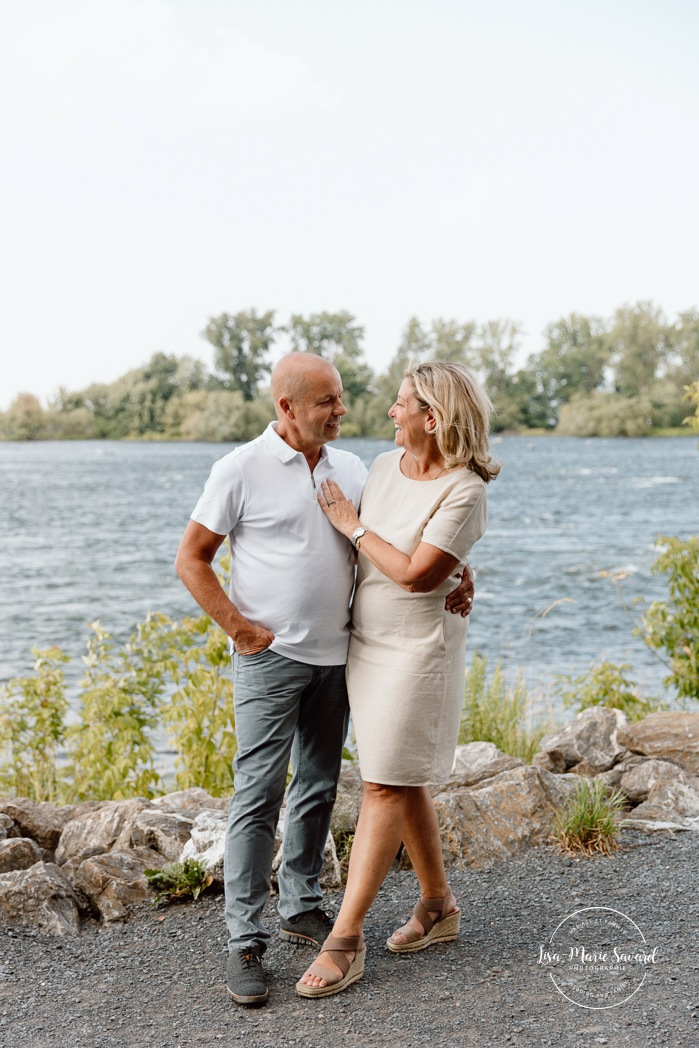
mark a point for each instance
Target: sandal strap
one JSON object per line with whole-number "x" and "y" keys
{"x": 342, "y": 942}
{"x": 422, "y": 912}
{"x": 338, "y": 946}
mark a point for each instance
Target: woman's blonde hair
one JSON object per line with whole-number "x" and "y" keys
{"x": 462, "y": 410}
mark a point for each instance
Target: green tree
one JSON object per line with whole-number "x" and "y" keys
{"x": 574, "y": 359}
{"x": 683, "y": 349}
{"x": 25, "y": 419}
{"x": 242, "y": 343}
{"x": 496, "y": 349}
{"x": 220, "y": 415}
{"x": 637, "y": 343}
{"x": 605, "y": 414}
{"x": 452, "y": 341}
{"x": 337, "y": 338}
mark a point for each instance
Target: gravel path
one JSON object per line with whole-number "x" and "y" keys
{"x": 158, "y": 980}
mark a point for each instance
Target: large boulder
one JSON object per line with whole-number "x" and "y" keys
{"x": 8, "y": 827}
{"x": 95, "y": 832}
{"x": 638, "y": 782}
{"x": 206, "y": 843}
{"x": 194, "y": 799}
{"x": 41, "y": 821}
{"x": 671, "y": 736}
{"x": 115, "y": 882}
{"x": 166, "y": 832}
{"x": 475, "y": 762}
{"x": 669, "y": 806}
{"x": 39, "y": 898}
{"x": 587, "y": 745}
{"x": 503, "y": 816}
{"x": 19, "y": 853}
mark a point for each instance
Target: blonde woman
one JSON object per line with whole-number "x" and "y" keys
{"x": 423, "y": 508}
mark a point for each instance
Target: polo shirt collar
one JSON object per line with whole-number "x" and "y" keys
{"x": 283, "y": 451}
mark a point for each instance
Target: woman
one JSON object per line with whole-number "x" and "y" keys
{"x": 423, "y": 508}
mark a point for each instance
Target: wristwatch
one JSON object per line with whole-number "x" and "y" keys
{"x": 358, "y": 534}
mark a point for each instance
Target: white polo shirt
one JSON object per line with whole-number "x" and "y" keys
{"x": 291, "y": 571}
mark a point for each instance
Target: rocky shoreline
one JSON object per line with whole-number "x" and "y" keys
{"x": 62, "y": 865}
{"x": 75, "y": 914}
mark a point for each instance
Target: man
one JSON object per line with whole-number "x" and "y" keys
{"x": 287, "y": 616}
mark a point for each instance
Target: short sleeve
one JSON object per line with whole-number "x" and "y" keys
{"x": 221, "y": 504}
{"x": 459, "y": 520}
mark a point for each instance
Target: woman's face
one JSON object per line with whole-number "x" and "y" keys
{"x": 409, "y": 418}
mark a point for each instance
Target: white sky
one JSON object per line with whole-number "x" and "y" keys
{"x": 162, "y": 161}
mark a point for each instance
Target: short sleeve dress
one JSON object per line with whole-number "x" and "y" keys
{"x": 406, "y": 662}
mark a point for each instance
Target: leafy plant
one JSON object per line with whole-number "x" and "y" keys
{"x": 672, "y": 626}
{"x": 606, "y": 684}
{"x": 496, "y": 712}
{"x": 32, "y": 731}
{"x": 589, "y": 820}
{"x": 176, "y": 880}
{"x": 343, "y": 848}
{"x": 199, "y": 714}
{"x": 111, "y": 747}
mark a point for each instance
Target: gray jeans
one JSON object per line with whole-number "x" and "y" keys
{"x": 284, "y": 710}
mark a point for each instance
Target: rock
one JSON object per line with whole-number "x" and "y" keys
{"x": 19, "y": 853}
{"x": 166, "y": 832}
{"x": 672, "y": 736}
{"x": 483, "y": 824}
{"x": 673, "y": 804}
{"x": 588, "y": 744}
{"x": 206, "y": 843}
{"x": 39, "y": 898}
{"x": 115, "y": 882}
{"x": 195, "y": 799}
{"x": 640, "y": 780}
{"x": 7, "y": 827}
{"x": 614, "y": 776}
{"x": 476, "y": 761}
{"x": 95, "y": 832}
{"x": 41, "y": 821}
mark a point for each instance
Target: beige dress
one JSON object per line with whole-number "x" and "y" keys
{"x": 406, "y": 662}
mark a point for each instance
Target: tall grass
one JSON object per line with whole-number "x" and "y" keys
{"x": 495, "y": 711}
{"x": 589, "y": 821}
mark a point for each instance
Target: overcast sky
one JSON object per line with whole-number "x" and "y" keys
{"x": 163, "y": 161}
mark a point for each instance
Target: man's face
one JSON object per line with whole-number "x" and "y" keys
{"x": 319, "y": 409}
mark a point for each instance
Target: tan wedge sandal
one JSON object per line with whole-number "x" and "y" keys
{"x": 337, "y": 947}
{"x": 444, "y": 928}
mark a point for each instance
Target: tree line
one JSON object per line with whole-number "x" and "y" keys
{"x": 624, "y": 375}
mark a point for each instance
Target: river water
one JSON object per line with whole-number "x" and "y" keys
{"x": 88, "y": 530}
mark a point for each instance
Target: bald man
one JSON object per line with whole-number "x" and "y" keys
{"x": 287, "y": 615}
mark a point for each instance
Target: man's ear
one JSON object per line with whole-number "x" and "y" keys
{"x": 287, "y": 406}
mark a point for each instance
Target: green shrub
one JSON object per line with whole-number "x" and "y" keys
{"x": 606, "y": 684}
{"x": 496, "y": 712}
{"x": 32, "y": 729}
{"x": 178, "y": 879}
{"x": 672, "y": 626}
{"x": 111, "y": 748}
{"x": 199, "y": 715}
{"x": 589, "y": 821}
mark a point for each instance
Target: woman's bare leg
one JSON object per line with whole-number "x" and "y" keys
{"x": 424, "y": 846}
{"x": 375, "y": 846}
